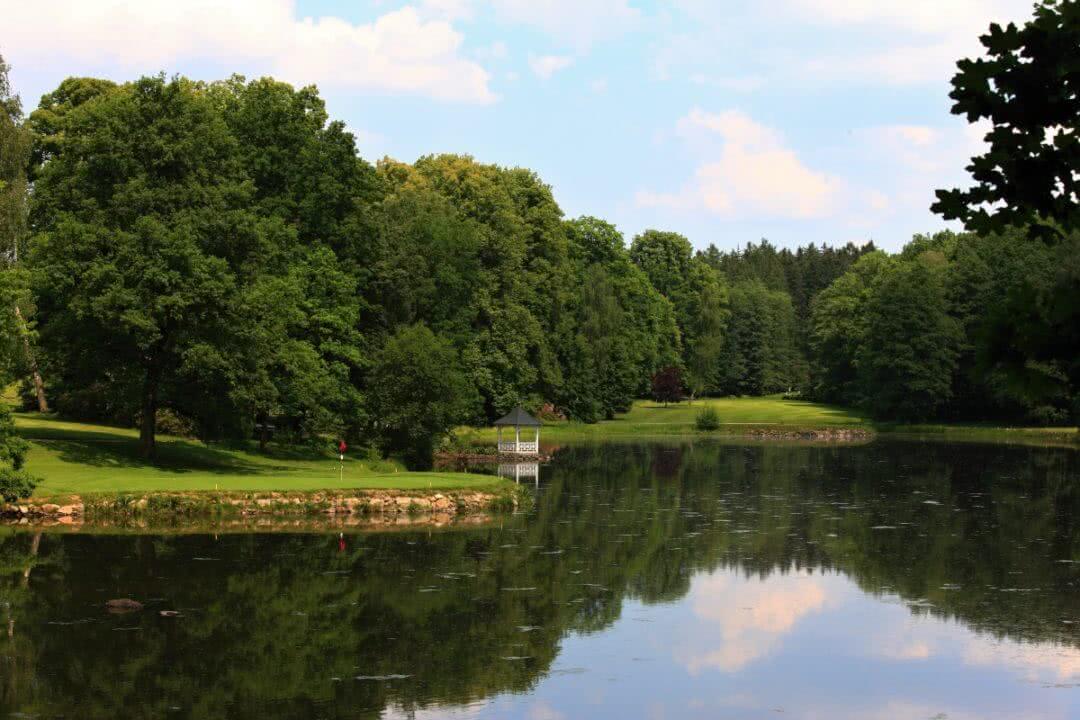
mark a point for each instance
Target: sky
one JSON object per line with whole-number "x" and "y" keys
{"x": 799, "y": 121}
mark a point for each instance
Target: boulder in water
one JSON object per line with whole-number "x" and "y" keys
{"x": 123, "y": 605}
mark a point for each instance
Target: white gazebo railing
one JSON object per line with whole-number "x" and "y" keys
{"x": 517, "y": 419}
{"x": 522, "y": 447}
{"x": 521, "y": 471}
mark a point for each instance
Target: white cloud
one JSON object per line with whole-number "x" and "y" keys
{"x": 743, "y": 620}
{"x": 922, "y": 16}
{"x": 892, "y": 42}
{"x": 543, "y": 711}
{"x": 495, "y": 51}
{"x": 545, "y": 66}
{"x": 922, "y": 39}
{"x": 448, "y": 9}
{"x": 599, "y": 86}
{"x": 916, "y": 160}
{"x": 577, "y": 23}
{"x": 754, "y": 175}
{"x": 400, "y": 51}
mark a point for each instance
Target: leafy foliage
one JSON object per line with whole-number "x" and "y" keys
{"x": 419, "y": 392}
{"x": 667, "y": 385}
{"x": 15, "y": 481}
{"x": 955, "y": 326}
{"x": 707, "y": 420}
{"x": 1028, "y": 88}
{"x": 219, "y": 253}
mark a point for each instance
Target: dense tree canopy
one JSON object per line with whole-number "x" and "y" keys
{"x": 15, "y": 481}
{"x": 419, "y": 392}
{"x": 147, "y": 252}
{"x": 952, "y": 327}
{"x": 219, "y": 254}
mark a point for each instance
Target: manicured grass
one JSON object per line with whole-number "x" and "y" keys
{"x": 737, "y": 416}
{"x": 77, "y": 458}
{"x": 1064, "y": 436}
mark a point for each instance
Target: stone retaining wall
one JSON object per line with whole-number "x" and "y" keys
{"x": 823, "y": 435}
{"x": 380, "y": 504}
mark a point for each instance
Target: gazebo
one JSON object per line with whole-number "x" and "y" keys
{"x": 518, "y": 419}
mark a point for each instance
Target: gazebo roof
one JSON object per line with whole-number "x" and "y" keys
{"x": 518, "y": 418}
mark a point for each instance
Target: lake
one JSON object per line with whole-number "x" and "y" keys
{"x": 899, "y": 579}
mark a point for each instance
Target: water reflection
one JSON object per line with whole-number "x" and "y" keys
{"x": 682, "y": 580}
{"x": 521, "y": 472}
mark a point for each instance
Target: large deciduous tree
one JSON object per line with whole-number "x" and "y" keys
{"x": 419, "y": 391}
{"x": 909, "y": 355}
{"x": 1028, "y": 88}
{"x": 15, "y": 142}
{"x": 145, "y": 248}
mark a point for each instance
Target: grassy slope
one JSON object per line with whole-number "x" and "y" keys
{"x": 738, "y": 415}
{"x": 76, "y": 458}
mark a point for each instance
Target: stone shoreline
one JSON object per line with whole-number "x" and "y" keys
{"x": 823, "y": 435}
{"x": 377, "y": 506}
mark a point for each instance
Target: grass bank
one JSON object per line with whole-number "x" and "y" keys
{"x": 79, "y": 459}
{"x": 738, "y": 416}
{"x": 774, "y": 416}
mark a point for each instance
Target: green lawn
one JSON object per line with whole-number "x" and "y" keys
{"x": 77, "y": 458}
{"x": 740, "y": 415}
{"x": 737, "y": 415}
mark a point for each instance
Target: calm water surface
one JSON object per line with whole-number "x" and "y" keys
{"x": 894, "y": 580}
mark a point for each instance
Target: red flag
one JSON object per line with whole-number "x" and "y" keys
{"x": 342, "y": 447}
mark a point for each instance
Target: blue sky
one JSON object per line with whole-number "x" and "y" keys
{"x": 799, "y": 121}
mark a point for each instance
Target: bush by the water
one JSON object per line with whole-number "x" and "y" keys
{"x": 708, "y": 419}
{"x": 15, "y": 482}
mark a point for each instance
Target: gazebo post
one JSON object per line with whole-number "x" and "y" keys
{"x": 517, "y": 419}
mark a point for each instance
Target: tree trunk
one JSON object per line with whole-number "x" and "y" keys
{"x": 148, "y": 422}
{"x": 39, "y": 384}
{"x": 35, "y": 544}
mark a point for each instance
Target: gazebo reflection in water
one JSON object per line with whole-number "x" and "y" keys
{"x": 519, "y": 472}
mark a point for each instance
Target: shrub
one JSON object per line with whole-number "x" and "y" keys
{"x": 707, "y": 420}
{"x": 15, "y": 481}
{"x": 16, "y": 484}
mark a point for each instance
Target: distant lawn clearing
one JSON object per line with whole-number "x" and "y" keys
{"x": 749, "y": 415}
{"x": 77, "y": 458}
{"x": 737, "y": 415}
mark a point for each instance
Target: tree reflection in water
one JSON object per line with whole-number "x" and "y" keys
{"x": 762, "y": 537}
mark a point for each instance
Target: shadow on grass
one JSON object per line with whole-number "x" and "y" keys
{"x": 106, "y": 450}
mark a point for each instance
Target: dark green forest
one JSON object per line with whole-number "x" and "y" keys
{"x": 215, "y": 258}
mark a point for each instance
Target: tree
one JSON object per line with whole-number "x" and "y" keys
{"x": 1028, "y": 88}
{"x": 419, "y": 391}
{"x": 665, "y": 257}
{"x": 15, "y": 481}
{"x": 304, "y": 309}
{"x": 624, "y": 330}
{"x": 667, "y": 386}
{"x": 15, "y": 141}
{"x": 839, "y": 326}
{"x": 907, "y": 361}
{"x": 698, "y": 294}
{"x": 145, "y": 246}
{"x": 759, "y": 353}
{"x": 707, "y": 341}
